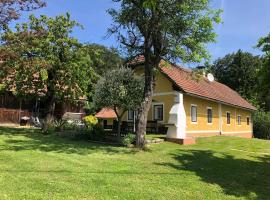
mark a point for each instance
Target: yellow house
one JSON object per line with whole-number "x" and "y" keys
{"x": 195, "y": 108}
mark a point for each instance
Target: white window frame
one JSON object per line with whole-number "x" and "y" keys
{"x": 239, "y": 124}
{"x": 193, "y": 105}
{"x": 209, "y": 108}
{"x": 153, "y": 110}
{"x": 227, "y": 118}
{"x": 131, "y": 120}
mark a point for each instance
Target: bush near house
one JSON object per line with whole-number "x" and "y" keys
{"x": 261, "y": 125}
{"x": 128, "y": 139}
{"x": 90, "y": 121}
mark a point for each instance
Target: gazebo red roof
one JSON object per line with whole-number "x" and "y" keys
{"x": 106, "y": 113}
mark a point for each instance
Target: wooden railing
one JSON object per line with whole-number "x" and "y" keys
{"x": 128, "y": 127}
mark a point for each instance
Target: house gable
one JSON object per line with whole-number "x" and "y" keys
{"x": 162, "y": 83}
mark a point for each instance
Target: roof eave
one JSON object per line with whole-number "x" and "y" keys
{"x": 222, "y": 102}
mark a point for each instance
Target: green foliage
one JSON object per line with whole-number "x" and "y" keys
{"x": 95, "y": 133}
{"x": 62, "y": 125}
{"x": 90, "y": 121}
{"x": 128, "y": 139}
{"x": 264, "y": 74}
{"x": 167, "y": 28}
{"x": 2, "y": 87}
{"x": 157, "y": 29}
{"x": 264, "y": 44}
{"x": 239, "y": 71}
{"x": 42, "y": 51}
{"x": 59, "y": 124}
{"x": 261, "y": 125}
{"x": 98, "y": 132}
{"x": 120, "y": 90}
{"x": 89, "y": 107}
{"x": 103, "y": 59}
{"x": 50, "y": 129}
{"x": 11, "y": 9}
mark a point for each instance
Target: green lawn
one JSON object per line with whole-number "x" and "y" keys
{"x": 33, "y": 166}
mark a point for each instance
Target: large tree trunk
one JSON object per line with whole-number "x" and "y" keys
{"x": 49, "y": 113}
{"x": 146, "y": 105}
{"x": 119, "y": 121}
{"x": 50, "y": 102}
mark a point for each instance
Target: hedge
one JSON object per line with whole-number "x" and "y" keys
{"x": 261, "y": 125}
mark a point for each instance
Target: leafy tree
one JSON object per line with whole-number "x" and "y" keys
{"x": 103, "y": 58}
{"x": 42, "y": 58}
{"x": 239, "y": 71}
{"x": 157, "y": 29}
{"x": 120, "y": 90}
{"x": 11, "y": 9}
{"x": 264, "y": 74}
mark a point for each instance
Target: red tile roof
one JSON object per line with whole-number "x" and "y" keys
{"x": 202, "y": 88}
{"x": 106, "y": 113}
{"x": 137, "y": 60}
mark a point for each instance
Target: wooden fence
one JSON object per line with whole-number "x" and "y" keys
{"x": 8, "y": 116}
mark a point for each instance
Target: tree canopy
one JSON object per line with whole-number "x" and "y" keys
{"x": 11, "y": 9}
{"x": 103, "y": 58}
{"x": 157, "y": 29}
{"x": 119, "y": 90}
{"x": 169, "y": 28}
{"x": 43, "y": 52}
{"x": 264, "y": 75}
{"x": 239, "y": 71}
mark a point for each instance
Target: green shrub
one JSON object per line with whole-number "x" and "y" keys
{"x": 50, "y": 129}
{"x": 98, "y": 130}
{"x": 261, "y": 125}
{"x": 90, "y": 121}
{"x": 129, "y": 139}
{"x": 59, "y": 124}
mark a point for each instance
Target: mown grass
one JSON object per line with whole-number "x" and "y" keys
{"x": 34, "y": 166}
{"x": 155, "y": 136}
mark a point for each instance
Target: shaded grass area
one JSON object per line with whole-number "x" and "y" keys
{"x": 155, "y": 136}
{"x": 34, "y": 166}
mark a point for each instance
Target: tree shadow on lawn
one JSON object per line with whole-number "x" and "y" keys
{"x": 32, "y": 139}
{"x": 238, "y": 177}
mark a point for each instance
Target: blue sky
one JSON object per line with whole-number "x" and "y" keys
{"x": 244, "y": 22}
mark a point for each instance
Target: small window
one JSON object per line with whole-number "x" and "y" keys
{"x": 248, "y": 120}
{"x": 131, "y": 115}
{"x": 158, "y": 112}
{"x": 193, "y": 113}
{"x": 239, "y": 119}
{"x": 228, "y": 118}
{"x": 209, "y": 115}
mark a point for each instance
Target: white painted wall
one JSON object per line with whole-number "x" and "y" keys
{"x": 177, "y": 119}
